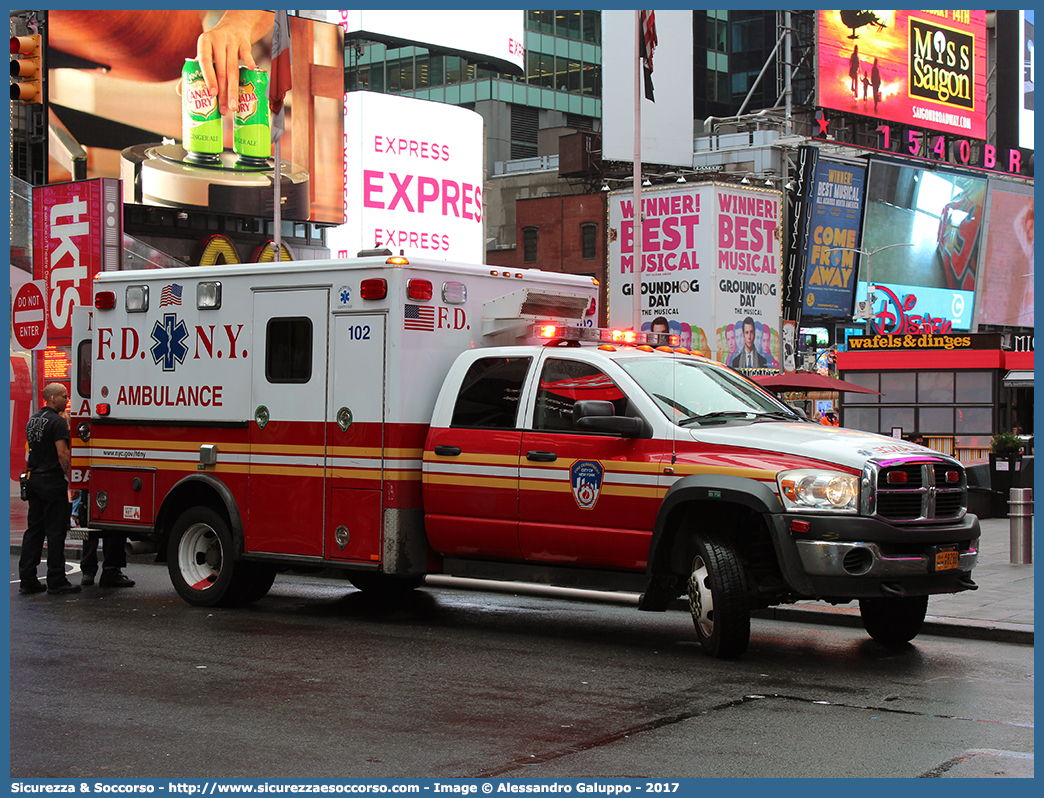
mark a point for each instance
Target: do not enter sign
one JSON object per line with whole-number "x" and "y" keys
{"x": 28, "y": 316}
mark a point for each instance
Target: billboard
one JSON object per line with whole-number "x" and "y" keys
{"x": 925, "y": 69}
{"x": 1026, "y": 95}
{"x": 1006, "y": 282}
{"x": 835, "y": 215}
{"x": 493, "y": 38}
{"x": 667, "y": 123}
{"x": 413, "y": 179}
{"x": 710, "y": 269}
{"x": 77, "y": 232}
{"x": 114, "y": 80}
{"x": 922, "y": 243}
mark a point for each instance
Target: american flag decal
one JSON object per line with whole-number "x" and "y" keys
{"x": 418, "y": 317}
{"x": 170, "y": 295}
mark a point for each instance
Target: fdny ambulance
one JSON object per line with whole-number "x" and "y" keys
{"x": 402, "y": 419}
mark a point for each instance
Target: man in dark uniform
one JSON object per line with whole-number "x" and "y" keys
{"x": 114, "y": 550}
{"x": 47, "y": 435}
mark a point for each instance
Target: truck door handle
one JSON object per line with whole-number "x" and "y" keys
{"x": 541, "y": 457}
{"x": 447, "y": 451}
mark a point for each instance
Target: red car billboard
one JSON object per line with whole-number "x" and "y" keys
{"x": 925, "y": 69}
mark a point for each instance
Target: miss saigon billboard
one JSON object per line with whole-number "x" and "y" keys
{"x": 925, "y": 69}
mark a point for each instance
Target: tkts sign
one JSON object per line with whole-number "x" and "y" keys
{"x": 77, "y": 232}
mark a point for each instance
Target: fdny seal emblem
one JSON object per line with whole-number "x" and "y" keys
{"x": 586, "y": 477}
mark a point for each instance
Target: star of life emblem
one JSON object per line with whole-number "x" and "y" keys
{"x": 170, "y": 342}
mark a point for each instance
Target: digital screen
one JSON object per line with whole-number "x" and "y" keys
{"x": 1006, "y": 296}
{"x": 114, "y": 79}
{"x": 926, "y": 69}
{"x": 493, "y": 38}
{"x": 413, "y": 179}
{"x": 921, "y": 246}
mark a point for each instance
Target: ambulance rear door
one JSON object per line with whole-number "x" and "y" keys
{"x": 80, "y": 395}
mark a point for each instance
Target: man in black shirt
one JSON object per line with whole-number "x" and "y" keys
{"x": 47, "y": 435}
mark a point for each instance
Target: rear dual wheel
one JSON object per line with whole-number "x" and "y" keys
{"x": 718, "y": 598}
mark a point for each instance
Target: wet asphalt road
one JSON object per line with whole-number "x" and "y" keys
{"x": 318, "y": 681}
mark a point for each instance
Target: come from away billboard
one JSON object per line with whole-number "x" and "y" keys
{"x": 835, "y": 215}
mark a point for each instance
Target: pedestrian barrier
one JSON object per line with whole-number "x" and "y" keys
{"x": 1020, "y": 518}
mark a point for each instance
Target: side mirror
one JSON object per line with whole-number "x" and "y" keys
{"x": 597, "y": 415}
{"x": 799, "y": 410}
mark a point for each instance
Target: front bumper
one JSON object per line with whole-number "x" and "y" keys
{"x": 844, "y": 558}
{"x": 831, "y": 558}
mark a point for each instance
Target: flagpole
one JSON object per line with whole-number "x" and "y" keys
{"x": 277, "y": 179}
{"x": 636, "y": 277}
{"x": 279, "y": 84}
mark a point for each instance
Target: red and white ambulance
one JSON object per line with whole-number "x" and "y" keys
{"x": 402, "y": 419}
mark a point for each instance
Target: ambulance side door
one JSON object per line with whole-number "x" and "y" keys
{"x": 355, "y": 438}
{"x": 287, "y": 459}
{"x": 585, "y": 498}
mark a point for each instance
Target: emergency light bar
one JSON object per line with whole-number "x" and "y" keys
{"x": 604, "y": 335}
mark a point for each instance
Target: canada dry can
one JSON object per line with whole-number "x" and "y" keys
{"x": 252, "y": 129}
{"x": 200, "y": 115}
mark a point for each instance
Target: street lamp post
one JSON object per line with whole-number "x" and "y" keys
{"x": 866, "y": 312}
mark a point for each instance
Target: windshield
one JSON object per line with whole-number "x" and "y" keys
{"x": 691, "y": 391}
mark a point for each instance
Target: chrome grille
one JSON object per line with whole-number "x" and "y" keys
{"x": 922, "y": 494}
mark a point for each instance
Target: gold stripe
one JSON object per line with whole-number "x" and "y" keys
{"x": 475, "y": 459}
{"x": 504, "y": 483}
{"x": 240, "y": 448}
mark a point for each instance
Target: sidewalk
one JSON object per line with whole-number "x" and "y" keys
{"x": 1001, "y": 609}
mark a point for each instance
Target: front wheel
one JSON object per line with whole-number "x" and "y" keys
{"x": 199, "y": 558}
{"x": 893, "y": 621}
{"x": 718, "y": 598}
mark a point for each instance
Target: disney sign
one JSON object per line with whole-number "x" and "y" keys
{"x": 896, "y": 317}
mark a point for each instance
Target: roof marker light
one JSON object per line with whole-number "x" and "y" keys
{"x": 419, "y": 289}
{"x": 373, "y": 288}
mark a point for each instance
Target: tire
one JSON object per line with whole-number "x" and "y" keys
{"x": 257, "y": 579}
{"x": 893, "y": 621}
{"x": 383, "y": 584}
{"x": 718, "y": 598}
{"x": 199, "y": 559}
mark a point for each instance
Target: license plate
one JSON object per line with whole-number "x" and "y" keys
{"x": 944, "y": 558}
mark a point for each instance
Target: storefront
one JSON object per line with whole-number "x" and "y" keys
{"x": 957, "y": 390}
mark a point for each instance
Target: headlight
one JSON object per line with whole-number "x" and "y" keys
{"x": 809, "y": 490}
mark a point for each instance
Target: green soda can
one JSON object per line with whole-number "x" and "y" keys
{"x": 200, "y": 117}
{"x": 252, "y": 127}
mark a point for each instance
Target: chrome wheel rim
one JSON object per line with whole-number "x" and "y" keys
{"x": 701, "y": 600}
{"x": 199, "y": 556}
